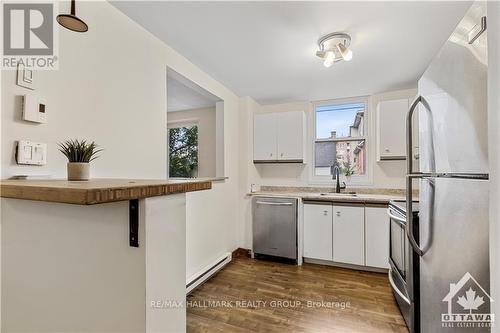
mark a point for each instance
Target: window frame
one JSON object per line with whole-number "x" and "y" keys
{"x": 363, "y": 180}
{"x": 179, "y": 124}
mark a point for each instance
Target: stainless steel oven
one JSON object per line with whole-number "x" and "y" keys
{"x": 404, "y": 264}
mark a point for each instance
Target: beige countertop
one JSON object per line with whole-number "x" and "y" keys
{"x": 98, "y": 190}
{"x": 359, "y": 198}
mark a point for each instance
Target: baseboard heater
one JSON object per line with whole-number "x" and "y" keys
{"x": 207, "y": 272}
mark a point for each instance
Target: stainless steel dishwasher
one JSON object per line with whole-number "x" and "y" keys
{"x": 275, "y": 227}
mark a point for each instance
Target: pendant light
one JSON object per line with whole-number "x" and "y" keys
{"x": 71, "y": 21}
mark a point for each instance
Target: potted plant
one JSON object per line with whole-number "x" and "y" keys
{"x": 348, "y": 171}
{"x": 79, "y": 154}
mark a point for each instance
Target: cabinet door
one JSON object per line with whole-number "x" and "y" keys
{"x": 392, "y": 129}
{"x": 377, "y": 237}
{"x": 318, "y": 231}
{"x": 348, "y": 235}
{"x": 264, "y": 137}
{"x": 290, "y": 135}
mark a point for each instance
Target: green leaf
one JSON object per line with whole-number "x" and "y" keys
{"x": 79, "y": 151}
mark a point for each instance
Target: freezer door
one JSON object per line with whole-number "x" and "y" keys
{"x": 453, "y": 114}
{"x": 454, "y": 235}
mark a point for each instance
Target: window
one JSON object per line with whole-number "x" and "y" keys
{"x": 183, "y": 151}
{"x": 340, "y": 139}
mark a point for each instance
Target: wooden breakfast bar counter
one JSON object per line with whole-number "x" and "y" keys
{"x": 105, "y": 255}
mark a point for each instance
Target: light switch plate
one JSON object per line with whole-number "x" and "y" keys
{"x": 25, "y": 77}
{"x": 31, "y": 153}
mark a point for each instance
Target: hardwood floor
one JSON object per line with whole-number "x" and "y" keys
{"x": 358, "y": 301}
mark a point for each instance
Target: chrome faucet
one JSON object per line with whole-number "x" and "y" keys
{"x": 336, "y": 174}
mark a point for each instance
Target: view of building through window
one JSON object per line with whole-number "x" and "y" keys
{"x": 183, "y": 151}
{"x": 340, "y": 139}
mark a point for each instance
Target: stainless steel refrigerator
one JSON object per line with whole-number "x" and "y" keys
{"x": 453, "y": 179}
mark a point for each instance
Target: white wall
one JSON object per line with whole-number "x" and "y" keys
{"x": 494, "y": 151}
{"x": 247, "y": 170}
{"x": 111, "y": 88}
{"x": 206, "y": 120}
{"x": 385, "y": 174}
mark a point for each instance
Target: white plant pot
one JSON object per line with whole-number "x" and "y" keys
{"x": 78, "y": 171}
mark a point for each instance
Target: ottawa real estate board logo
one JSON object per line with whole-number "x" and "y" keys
{"x": 29, "y": 35}
{"x": 469, "y": 305}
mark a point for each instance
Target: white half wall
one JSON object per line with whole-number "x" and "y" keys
{"x": 111, "y": 88}
{"x": 70, "y": 268}
{"x": 165, "y": 243}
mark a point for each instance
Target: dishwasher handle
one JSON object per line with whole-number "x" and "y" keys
{"x": 274, "y": 203}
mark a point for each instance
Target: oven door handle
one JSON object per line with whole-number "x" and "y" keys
{"x": 400, "y": 220}
{"x": 395, "y": 288}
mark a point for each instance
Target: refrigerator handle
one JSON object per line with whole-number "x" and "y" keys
{"x": 409, "y": 177}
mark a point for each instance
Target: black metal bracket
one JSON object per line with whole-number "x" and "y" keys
{"x": 133, "y": 219}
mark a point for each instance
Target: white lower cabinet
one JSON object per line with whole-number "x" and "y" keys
{"x": 318, "y": 231}
{"x": 377, "y": 237}
{"x": 349, "y": 235}
{"x": 355, "y": 235}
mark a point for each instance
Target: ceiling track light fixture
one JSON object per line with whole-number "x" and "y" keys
{"x": 334, "y": 47}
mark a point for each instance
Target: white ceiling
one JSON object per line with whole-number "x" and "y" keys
{"x": 266, "y": 49}
{"x": 183, "y": 94}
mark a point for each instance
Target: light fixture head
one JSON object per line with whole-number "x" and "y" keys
{"x": 71, "y": 21}
{"x": 334, "y": 47}
{"x": 329, "y": 58}
{"x": 344, "y": 52}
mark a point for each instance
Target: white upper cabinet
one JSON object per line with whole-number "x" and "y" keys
{"x": 279, "y": 137}
{"x": 377, "y": 237}
{"x": 291, "y": 136}
{"x": 348, "y": 235}
{"x": 391, "y": 129}
{"x": 265, "y": 138}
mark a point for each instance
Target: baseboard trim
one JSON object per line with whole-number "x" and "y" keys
{"x": 241, "y": 253}
{"x": 206, "y": 273}
{"x": 342, "y": 265}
